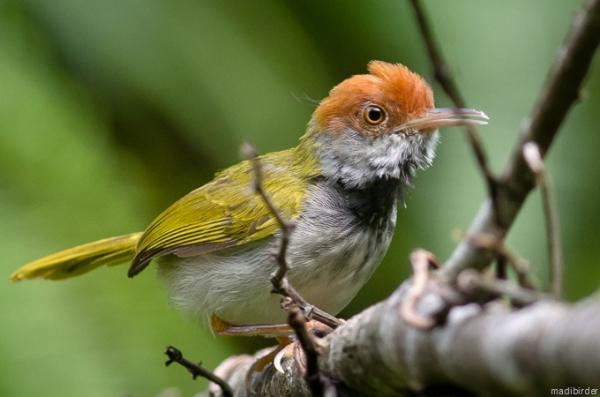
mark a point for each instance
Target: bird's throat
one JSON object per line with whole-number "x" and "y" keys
{"x": 363, "y": 163}
{"x": 372, "y": 203}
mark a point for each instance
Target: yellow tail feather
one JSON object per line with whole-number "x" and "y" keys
{"x": 78, "y": 260}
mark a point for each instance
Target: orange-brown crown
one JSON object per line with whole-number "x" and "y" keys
{"x": 402, "y": 94}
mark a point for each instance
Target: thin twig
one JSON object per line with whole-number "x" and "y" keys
{"x": 533, "y": 157}
{"x": 519, "y": 265}
{"x": 421, "y": 261}
{"x": 501, "y": 272}
{"x": 297, "y": 321}
{"x": 441, "y": 73}
{"x": 474, "y": 283}
{"x": 558, "y": 96}
{"x": 293, "y": 303}
{"x": 175, "y": 356}
{"x": 279, "y": 279}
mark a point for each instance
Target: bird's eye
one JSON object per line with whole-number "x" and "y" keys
{"x": 374, "y": 114}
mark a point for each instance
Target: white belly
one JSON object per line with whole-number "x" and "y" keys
{"x": 235, "y": 285}
{"x": 331, "y": 257}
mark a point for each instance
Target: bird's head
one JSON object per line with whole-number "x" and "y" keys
{"x": 381, "y": 125}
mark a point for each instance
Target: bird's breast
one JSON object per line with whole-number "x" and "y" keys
{"x": 340, "y": 239}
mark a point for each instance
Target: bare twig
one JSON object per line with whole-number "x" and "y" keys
{"x": 558, "y": 96}
{"x": 501, "y": 272}
{"x": 279, "y": 280}
{"x": 472, "y": 282}
{"x": 316, "y": 382}
{"x": 293, "y": 303}
{"x": 420, "y": 260}
{"x": 532, "y": 156}
{"x": 442, "y": 74}
{"x": 519, "y": 265}
{"x": 175, "y": 356}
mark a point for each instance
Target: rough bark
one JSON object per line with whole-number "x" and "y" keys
{"x": 487, "y": 349}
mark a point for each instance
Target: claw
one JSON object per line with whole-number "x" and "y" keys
{"x": 285, "y": 352}
{"x": 277, "y": 362}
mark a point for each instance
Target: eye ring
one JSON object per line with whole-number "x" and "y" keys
{"x": 374, "y": 114}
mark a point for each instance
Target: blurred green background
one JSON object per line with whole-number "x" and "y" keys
{"x": 111, "y": 110}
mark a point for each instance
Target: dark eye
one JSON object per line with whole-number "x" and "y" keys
{"x": 374, "y": 114}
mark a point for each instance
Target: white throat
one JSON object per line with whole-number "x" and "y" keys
{"x": 357, "y": 161}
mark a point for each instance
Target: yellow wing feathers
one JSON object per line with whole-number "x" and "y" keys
{"x": 223, "y": 213}
{"x": 78, "y": 260}
{"x": 226, "y": 211}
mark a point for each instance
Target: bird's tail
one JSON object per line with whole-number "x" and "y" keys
{"x": 78, "y": 260}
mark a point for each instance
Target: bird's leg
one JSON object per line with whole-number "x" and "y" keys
{"x": 224, "y": 328}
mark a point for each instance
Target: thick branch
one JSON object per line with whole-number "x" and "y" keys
{"x": 558, "y": 96}
{"x": 492, "y": 350}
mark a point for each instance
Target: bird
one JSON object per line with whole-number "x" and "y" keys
{"x": 340, "y": 185}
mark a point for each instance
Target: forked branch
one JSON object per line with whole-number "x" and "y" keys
{"x": 556, "y": 99}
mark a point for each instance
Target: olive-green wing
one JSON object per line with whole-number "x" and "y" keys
{"x": 226, "y": 212}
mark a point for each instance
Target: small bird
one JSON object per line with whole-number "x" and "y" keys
{"x": 340, "y": 185}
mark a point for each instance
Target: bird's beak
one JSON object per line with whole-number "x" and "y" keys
{"x": 445, "y": 117}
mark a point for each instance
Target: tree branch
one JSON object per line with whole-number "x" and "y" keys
{"x": 520, "y": 266}
{"x": 175, "y": 356}
{"x": 420, "y": 261}
{"x": 441, "y": 73}
{"x": 474, "y": 283}
{"x": 558, "y": 96}
{"x": 532, "y": 155}
{"x": 490, "y": 350}
{"x": 482, "y": 348}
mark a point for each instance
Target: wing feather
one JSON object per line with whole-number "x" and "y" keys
{"x": 227, "y": 212}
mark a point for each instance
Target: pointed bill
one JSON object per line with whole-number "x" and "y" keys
{"x": 446, "y": 117}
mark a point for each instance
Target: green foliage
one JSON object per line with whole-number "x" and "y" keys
{"x": 111, "y": 110}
